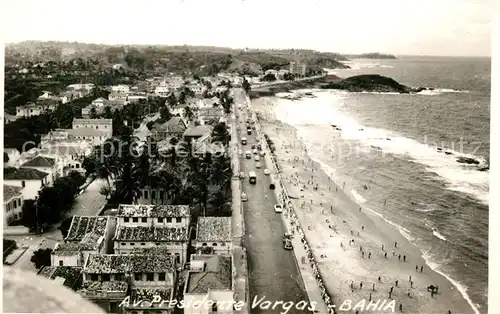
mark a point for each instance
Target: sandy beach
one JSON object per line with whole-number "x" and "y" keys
{"x": 360, "y": 255}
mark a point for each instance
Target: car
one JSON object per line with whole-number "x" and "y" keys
{"x": 253, "y": 146}
{"x": 244, "y": 197}
{"x": 259, "y": 147}
{"x": 255, "y": 152}
{"x": 278, "y": 208}
{"x": 240, "y": 152}
{"x": 287, "y": 244}
{"x": 242, "y": 175}
{"x": 267, "y": 172}
{"x": 257, "y": 158}
{"x": 258, "y": 165}
{"x": 262, "y": 153}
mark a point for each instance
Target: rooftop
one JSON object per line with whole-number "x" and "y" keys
{"x": 212, "y": 229}
{"x": 71, "y": 248}
{"x": 104, "y": 289}
{"x": 82, "y": 225}
{"x": 10, "y": 191}
{"x": 149, "y": 293}
{"x": 173, "y": 211}
{"x": 71, "y": 275}
{"x": 216, "y": 275}
{"x": 40, "y": 161}
{"x": 174, "y": 125}
{"x": 56, "y": 148}
{"x": 128, "y": 263}
{"x": 23, "y": 174}
{"x": 86, "y": 132}
{"x": 158, "y": 234}
{"x": 199, "y": 130}
{"x": 93, "y": 121}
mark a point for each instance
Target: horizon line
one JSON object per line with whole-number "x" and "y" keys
{"x": 238, "y": 48}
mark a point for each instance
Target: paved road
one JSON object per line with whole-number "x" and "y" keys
{"x": 273, "y": 273}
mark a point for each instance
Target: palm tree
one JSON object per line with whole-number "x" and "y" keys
{"x": 188, "y": 113}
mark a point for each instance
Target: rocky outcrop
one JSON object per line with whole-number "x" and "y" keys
{"x": 468, "y": 160}
{"x": 371, "y": 83}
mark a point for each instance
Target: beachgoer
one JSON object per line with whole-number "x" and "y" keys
{"x": 392, "y": 288}
{"x": 408, "y": 292}
{"x": 352, "y": 284}
{"x": 385, "y": 255}
{"x": 373, "y": 288}
{"x": 361, "y": 285}
{"x": 382, "y": 247}
{"x": 404, "y": 258}
{"x": 393, "y": 253}
{"x": 379, "y": 279}
{"x": 336, "y": 189}
{"x": 421, "y": 268}
{"x": 360, "y": 248}
{"x": 360, "y": 209}
{"x": 396, "y": 283}
{"x": 363, "y": 254}
{"x": 369, "y": 255}
{"x": 411, "y": 284}
{"x": 401, "y": 307}
{"x": 385, "y": 202}
{"x": 390, "y": 295}
{"x": 370, "y": 298}
{"x": 437, "y": 288}
{"x": 362, "y": 228}
{"x": 416, "y": 267}
{"x": 399, "y": 257}
{"x": 395, "y": 244}
{"x": 409, "y": 278}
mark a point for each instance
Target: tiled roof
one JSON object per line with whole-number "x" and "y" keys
{"x": 10, "y": 191}
{"x": 53, "y": 148}
{"x": 71, "y": 248}
{"x": 149, "y": 293}
{"x": 213, "y": 229}
{"x": 173, "y": 211}
{"x": 82, "y": 225}
{"x": 128, "y": 263}
{"x": 216, "y": 275}
{"x": 174, "y": 125}
{"x": 199, "y": 130}
{"x": 71, "y": 275}
{"x": 104, "y": 289}
{"x": 158, "y": 234}
{"x": 40, "y": 161}
{"x": 23, "y": 174}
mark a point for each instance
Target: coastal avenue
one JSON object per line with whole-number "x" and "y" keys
{"x": 273, "y": 272}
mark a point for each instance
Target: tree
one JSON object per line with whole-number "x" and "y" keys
{"x": 93, "y": 113}
{"x": 107, "y": 114}
{"x": 165, "y": 114}
{"x": 246, "y": 86}
{"x": 269, "y": 77}
{"x": 188, "y": 113}
{"x": 29, "y": 218}
{"x": 41, "y": 257}
{"x": 221, "y": 134}
{"x": 172, "y": 100}
{"x": 5, "y": 157}
{"x": 288, "y": 76}
{"x": 65, "y": 225}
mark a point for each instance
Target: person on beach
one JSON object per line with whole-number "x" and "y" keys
{"x": 404, "y": 258}
{"x": 411, "y": 284}
{"x": 396, "y": 283}
{"x": 385, "y": 202}
{"x": 352, "y": 284}
{"x": 379, "y": 279}
{"x": 409, "y": 278}
{"x": 363, "y": 254}
{"x": 369, "y": 255}
{"x": 373, "y": 288}
{"x": 360, "y": 248}
{"x": 421, "y": 268}
{"x": 370, "y": 298}
{"x": 395, "y": 244}
{"x": 385, "y": 255}
{"x": 416, "y": 267}
{"x": 392, "y": 288}
{"x": 382, "y": 247}
{"x": 361, "y": 285}
{"x": 401, "y": 307}
{"x": 399, "y": 257}
{"x": 362, "y": 228}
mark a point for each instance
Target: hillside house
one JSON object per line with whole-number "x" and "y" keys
{"x": 174, "y": 127}
{"x": 12, "y": 204}
{"x": 120, "y": 88}
{"x": 11, "y": 157}
{"x": 68, "y": 276}
{"x": 31, "y": 109}
{"x": 47, "y": 165}
{"x": 30, "y": 180}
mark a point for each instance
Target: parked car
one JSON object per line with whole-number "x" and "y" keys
{"x": 258, "y": 165}
{"x": 255, "y": 152}
{"x": 253, "y": 146}
{"x": 242, "y": 175}
{"x": 262, "y": 153}
{"x": 267, "y": 172}
{"x": 287, "y": 244}
{"x": 244, "y": 197}
{"x": 256, "y": 157}
{"x": 278, "y": 208}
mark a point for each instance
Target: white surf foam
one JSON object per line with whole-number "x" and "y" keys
{"x": 438, "y": 235}
{"x": 461, "y": 288}
{"x": 357, "y": 197}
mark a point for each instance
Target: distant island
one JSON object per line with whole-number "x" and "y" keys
{"x": 372, "y": 55}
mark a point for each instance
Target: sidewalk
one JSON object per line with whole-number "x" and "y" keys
{"x": 305, "y": 269}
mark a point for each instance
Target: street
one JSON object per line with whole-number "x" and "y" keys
{"x": 273, "y": 272}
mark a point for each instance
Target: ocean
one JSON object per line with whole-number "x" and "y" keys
{"x": 386, "y": 151}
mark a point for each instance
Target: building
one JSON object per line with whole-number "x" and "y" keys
{"x": 47, "y": 165}
{"x": 69, "y": 154}
{"x": 12, "y": 204}
{"x": 208, "y": 114}
{"x": 196, "y": 88}
{"x": 32, "y": 109}
{"x": 118, "y": 96}
{"x": 173, "y": 127}
{"x": 9, "y": 118}
{"x": 109, "y": 278}
{"x": 197, "y": 133}
{"x": 149, "y": 226}
{"x": 120, "y": 88}
{"x": 209, "y": 279}
{"x": 100, "y": 102}
{"x": 87, "y": 111}
{"x": 97, "y": 130}
{"x": 97, "y": 231}
{"x": 93, "y": 136}
{"x": 69, "y": 276}
{"x": 30, "y": 180}
{"x": 214, "y": 235}
{"x": 163, "y": 90}
{"x": 298, "y": 69}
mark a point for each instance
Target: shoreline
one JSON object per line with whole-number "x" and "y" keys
{"x": 317, "y": 210}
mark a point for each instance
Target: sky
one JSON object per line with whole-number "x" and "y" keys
{"x": 401, "y": 27}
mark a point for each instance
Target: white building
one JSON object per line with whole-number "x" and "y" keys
{"x": 12, "y": 204}
{"x": 297, "y": 68}
{"x": 30, "y": 180}
{"x": 120, "y": 88}
{"x": 32, "y": 109}
{"x": 47, "y": 165}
